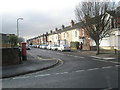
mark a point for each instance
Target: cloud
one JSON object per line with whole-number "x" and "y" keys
{"x": 39, "y": 16}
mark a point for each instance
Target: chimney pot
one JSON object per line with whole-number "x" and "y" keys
{"x": 72, "y": 23}
{"x": 56, "y": 29}
{"x": 51, "y": 31}
{"x": 47, "y": 33}
{"x": 63, "y": 27}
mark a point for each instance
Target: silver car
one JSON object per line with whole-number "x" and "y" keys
{"x": 55, "y": 47}
{"x": 64, "y": 48}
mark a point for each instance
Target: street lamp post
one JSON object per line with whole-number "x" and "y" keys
{"x": 18, "y": 26}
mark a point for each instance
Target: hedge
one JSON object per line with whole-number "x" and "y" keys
{"x": 74, "y": 45}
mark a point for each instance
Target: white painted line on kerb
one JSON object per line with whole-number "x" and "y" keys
{"x": 42, "y": 75}
{"x": 79, "y": 70}
{"x": 21, "y": 77}
{"x": 96, "y": 57}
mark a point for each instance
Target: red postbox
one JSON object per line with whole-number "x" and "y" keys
{"x": 24, "y": 56}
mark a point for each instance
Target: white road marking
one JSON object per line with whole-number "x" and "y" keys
{"x": 96, "y": 57}
{"x": 93, "y": 69}
{"x": 79, "y": 70}
{"x": 64, "y": 73}
{"x": 107, "y": 67}
{"x": 76, "y": 56}
{"x": 57, "y": 73}
{"x": 44, "y": 59}
{"x": 114, "y": 62}
{"x": 60, "y": 54}
{"x": 117, "y": 65}
{"x": 108, "y": 58}
{"x": 69, "y": 55}
{"x": 43, "y": 75}
{"x": 106, "y": 61}
{"x": 21, "y": 77}
{"x": 81, "y": 57}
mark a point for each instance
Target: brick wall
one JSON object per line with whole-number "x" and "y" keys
{"x": 10, "y": 56}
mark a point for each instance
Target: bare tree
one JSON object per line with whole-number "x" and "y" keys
{"x": 95, "y": 19}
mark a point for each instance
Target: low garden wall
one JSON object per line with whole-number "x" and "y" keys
{"x": 10, "y": 56}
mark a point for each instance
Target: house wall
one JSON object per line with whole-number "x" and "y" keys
{"x": 10, "y": 56}
{"x": 68, "y": 37}
{"x": 117, "y": 40}
{"x": 63, "y": 35}
{"x": 51, "y": 39}
{"x": 75, "y": 35}
{"x": 55, "y": 39}
{"x": 111, "y": 42}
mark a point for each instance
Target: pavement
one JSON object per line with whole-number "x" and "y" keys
{"x": 31, "y": 65}
{"x": 104, "y": 54}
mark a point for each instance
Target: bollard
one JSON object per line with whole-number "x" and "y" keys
{"x": 20, "y": 56}
{"x": 24, "y": 56}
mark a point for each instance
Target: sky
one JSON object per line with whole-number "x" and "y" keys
{"x": 39, "y": 16}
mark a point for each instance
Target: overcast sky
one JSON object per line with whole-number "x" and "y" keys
{"x": 40, "y": 16}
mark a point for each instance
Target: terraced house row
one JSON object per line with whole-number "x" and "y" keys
{"x": 76, "y": 33}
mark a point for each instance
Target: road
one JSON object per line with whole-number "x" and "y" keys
{"x": 74, "y": 71}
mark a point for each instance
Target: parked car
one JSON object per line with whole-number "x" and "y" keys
{"x": 28, "y": 47}
{"x": 44, "y": 46}
{"x": 55, "y": 47}
{"x": 20, "y": 48}
{"x": 49, "y": 47}
{"x": 37, "y": 46}
{"x": 34, "y": 46}
{"x": 64, "y": 48}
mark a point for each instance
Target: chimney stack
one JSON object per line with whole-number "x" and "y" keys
{"x": 63, "y": 27}
{"x": 56, "y": 29}
{"x": 72, "y": 23}
{"x": 46, "y": 33}
{"x": 51, "y": 31}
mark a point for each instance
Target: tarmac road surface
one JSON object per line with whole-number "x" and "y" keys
{"x": 75, "y": 71}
